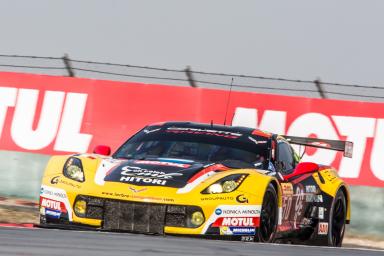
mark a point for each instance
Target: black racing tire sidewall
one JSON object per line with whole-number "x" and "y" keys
{"x": 339, "y": 195}
{"x": 271, "y": 189}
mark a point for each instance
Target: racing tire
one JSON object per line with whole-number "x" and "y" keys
{"x": 266, "y": 231}
{"x": 337, "y": 220}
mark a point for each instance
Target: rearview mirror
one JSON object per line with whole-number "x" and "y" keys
{"x": 102, "y": 150}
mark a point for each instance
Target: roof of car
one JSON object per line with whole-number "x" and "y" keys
{"x": 227, "y": 128}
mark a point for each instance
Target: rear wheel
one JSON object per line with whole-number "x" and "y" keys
{"x": 268, "y": 217}
{"x": 336, "y": 223}
{"x": 337, "y": 220}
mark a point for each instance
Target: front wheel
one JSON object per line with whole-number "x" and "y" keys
{"x": 268, "y": 217}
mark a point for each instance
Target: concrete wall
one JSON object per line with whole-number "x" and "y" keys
{"x": 20, "y": 176}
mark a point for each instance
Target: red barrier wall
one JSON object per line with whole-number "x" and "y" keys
{"x": 54, "y": 115}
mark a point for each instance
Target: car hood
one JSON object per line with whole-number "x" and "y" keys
{"x": 165, "y": 173}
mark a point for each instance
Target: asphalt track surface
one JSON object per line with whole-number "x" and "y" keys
{"x": 21, "y": 241}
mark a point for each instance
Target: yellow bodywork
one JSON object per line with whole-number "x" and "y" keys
{"x": 332, "y": 184}
{"x": 155, "y": 194}
{"x": 252, "y": 189}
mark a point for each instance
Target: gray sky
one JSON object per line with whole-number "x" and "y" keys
{"x": 339, "y": 41}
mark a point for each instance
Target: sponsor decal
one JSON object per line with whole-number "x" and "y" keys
{"x": 68, "y": 183}
{"x": 50, "y": 192}
{"x": 55, "y": 180}
{"x": 321, "y": 213}
{"x": 287, "y": 189}
{"x": 247, "y": 238}
{"x": 257, "y": 141}
{"x": 239, "y": 211}
{"x": 58, "y": 180}
{"x": 210, "y": 198}
{"x": 237, "y": 231}
{"x": 287, "y": 206}
{"x": 136, "y": 190}
{"x": 53, "y": 214}
{"x": 224, "y": 134}
{"x": 237, "y": 222}
{"x": 133, "y": 174}
{"x": 321, "y": 144}
{"x": 162, "y": 163}
{"x": 50, "y": 195}
{"x": 232, "y": 211}
{"x": 310, "y": 189}
{"x": 311, "y": 193}
{"x": 299, "y": 205}
{"x": 150, "y": 131}
{"x": 319, "y": 199}
{"x": 137, "y": 197}
{"x": 52, "y": 204}
{"x": 323, "y": 228}
{"x": 241, "y": 199}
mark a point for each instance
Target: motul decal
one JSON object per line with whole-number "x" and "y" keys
{"x": 237, "y": 222}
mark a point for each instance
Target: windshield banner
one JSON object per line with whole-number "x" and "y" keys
{"x": 56, "y": 115}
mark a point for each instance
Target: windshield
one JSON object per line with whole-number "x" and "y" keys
{"x": 197, "y": 145}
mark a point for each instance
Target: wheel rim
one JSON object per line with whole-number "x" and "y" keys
{"x": 338, "y": 222}
{"x": 268, "y": 217}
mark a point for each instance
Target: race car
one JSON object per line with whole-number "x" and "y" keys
{"x": 205, "y": 180}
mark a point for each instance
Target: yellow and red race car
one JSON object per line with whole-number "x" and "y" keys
{"x": 182, "y": 178}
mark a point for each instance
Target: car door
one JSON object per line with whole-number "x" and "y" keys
{"x": 285, "y": 164}
{"x": 298, "y": 192}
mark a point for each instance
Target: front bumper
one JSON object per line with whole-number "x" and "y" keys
{"x": 129, "y": 216}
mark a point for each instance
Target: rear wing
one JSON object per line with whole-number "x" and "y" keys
{"x": 339, "y": 145}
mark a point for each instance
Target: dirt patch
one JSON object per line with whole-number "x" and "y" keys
{"x": 15, "y": 214}
{"x": 364, "y": 242}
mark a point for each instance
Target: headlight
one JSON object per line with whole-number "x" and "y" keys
{"x": 73, "y": 169}
{"x": 226, "y": 184}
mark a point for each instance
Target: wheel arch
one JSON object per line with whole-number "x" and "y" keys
{"x": 344, "y": 189}
{"x": 277, "y": 187}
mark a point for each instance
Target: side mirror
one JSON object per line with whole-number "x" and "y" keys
{"x": 102, "y": 150}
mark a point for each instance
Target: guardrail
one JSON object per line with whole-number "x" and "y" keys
{"x": 66, "y": 66}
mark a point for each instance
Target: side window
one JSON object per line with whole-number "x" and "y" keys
{"x": 285, "y": 158}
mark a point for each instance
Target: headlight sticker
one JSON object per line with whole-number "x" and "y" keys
{"x": 73, "y": 169}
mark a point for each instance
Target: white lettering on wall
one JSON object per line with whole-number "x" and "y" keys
{"x": 357, "y": 130}
{"x": 69, "y": 137}
{"x": 377, "y": 166}
{"x": 272, "y": 121}
{"x": 22, "y": 133}
{"x": 319, "y": 125}
{"x": 57, "y": 122}
{"x": 7, "y": 99}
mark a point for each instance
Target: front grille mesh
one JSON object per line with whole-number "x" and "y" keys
{"x": 134, "y": 217}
